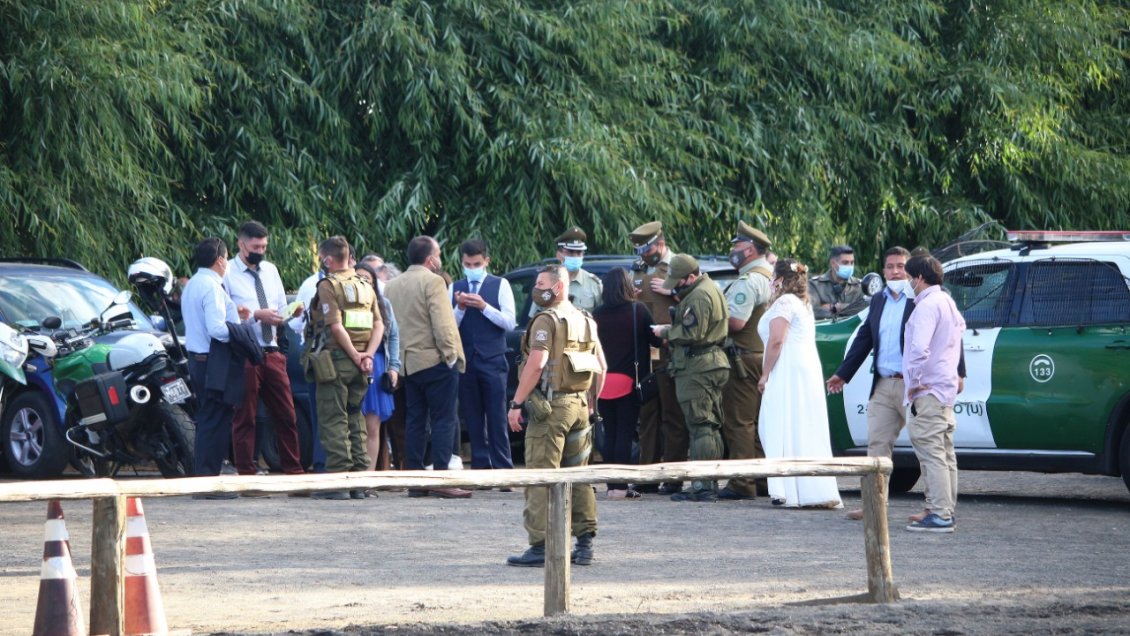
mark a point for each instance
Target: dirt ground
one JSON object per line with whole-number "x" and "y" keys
{"x": 1033, "y": 554}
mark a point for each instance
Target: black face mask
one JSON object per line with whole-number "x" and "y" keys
{"x": 254, "y": 258}
{"x": 653, "y": 259}
{"x": 325, "y": 267}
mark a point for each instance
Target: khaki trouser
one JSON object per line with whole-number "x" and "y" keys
{"x": 564, "y": 434}
{"x": 663, "y": 432}
{"x": 886, "y": 415}
{"x": 741, "y": 405}
{"x": 931, "y": 434}
{"x": 341, "y": 427}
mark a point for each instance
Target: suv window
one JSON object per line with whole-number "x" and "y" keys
{"x": 982, "y": 291}
{"x": 1074, "y": 292}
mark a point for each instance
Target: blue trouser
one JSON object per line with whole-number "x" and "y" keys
{"x": 213, "y": 422}
{"x": 482, "y": 400}
{"x": 430, "y": 395}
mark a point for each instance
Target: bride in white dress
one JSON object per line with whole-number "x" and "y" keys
{"x": 794, "y": 415}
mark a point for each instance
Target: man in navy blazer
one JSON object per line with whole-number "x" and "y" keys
{"x": 883, "y": 334}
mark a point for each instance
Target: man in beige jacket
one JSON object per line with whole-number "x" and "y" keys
{"x": 431, "y": 355}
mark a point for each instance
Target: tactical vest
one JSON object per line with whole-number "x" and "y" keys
{"x": 748, "y": 338}
{"x": 572, "y": 358}
{"x": 355, "y": 298}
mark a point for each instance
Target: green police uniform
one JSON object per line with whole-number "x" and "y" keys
{"x": 825, "y": 289}
{"x": 698, "y": 362}
{"x": 746, "y": 298}
{"x": 343, "y": 297}
{"x": 559, "y": 433}
{"x": 663, "y": 431}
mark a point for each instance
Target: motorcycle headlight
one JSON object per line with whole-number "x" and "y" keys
{"x": 13, "y": 346}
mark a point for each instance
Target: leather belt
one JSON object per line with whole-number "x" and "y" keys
{"x": 893, "y": 376}
{"x": 271, "y": 349}
{"x": 200, "y": 357}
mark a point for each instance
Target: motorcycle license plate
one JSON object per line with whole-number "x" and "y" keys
{"x": 176, "y": 391}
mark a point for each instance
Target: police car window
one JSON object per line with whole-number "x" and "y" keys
{"x": 521, "y": 288}
{"x": 982, "y": 291}
{"x": 1074, "y": 292}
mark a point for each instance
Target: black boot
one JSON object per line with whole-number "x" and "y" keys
{"x": 582, "y": 553}
{"x": 532, "y": 558}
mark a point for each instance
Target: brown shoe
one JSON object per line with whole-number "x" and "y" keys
{"x": 855, "y": 515}
{"x": 918, "y": 517}
{"x": 449, "y": 493}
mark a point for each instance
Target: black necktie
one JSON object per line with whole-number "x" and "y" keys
{"x": 268, "y": 331}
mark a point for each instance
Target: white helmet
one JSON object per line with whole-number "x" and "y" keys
{"x": 150, "y": 274}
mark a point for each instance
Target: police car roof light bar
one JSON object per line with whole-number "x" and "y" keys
{"x": 1067, "y": 236}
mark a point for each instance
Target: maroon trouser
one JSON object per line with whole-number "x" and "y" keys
{"x": 269, "y": 382}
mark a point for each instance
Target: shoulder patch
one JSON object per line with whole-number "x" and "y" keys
{"x": 740, "y": 298}
{"x": 689, "y": 318}
{"x": 325, "y": 308}
{"x": 541, "y": 335}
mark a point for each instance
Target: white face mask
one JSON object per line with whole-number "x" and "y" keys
{"x": 902, "y": 287}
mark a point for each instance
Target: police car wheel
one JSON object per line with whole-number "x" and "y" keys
{"x": 33, "y": 444}
{"x": 1124, "y": 455}
{"x": 903, "y": 479}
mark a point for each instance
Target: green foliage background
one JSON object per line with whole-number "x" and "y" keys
{"x": 132, "y": 128}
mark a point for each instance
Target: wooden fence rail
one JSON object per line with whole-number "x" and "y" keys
{"x": 109, "y": 498}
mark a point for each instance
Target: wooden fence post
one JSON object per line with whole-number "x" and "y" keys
{"x": 107, "y": 587}
{"x": 557, "y": 550}
{"x": 876, "y": 539}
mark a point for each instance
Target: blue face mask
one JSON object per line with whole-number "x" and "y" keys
{"x": 845, "y": 271}
{"x": 573, "y": 263}
{"x": 477, "y": 274}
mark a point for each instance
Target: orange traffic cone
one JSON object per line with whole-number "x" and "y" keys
{"x": 57, "y": 612}
{"x": 145, "y": 612}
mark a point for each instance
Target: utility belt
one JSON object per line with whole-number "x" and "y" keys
{"x": 538, "y": 403}
{"x": 694, "y": 352}
{"x": 734, "y": 351}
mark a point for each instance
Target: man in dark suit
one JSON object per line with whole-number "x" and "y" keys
{"x": 882, "y": 333}
{"x": 484, "y": 311}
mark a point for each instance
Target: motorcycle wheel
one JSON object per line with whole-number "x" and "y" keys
{"x": 178, "y": 437}
{"x": 33, "y": 443}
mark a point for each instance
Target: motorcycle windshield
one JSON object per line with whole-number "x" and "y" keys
{"x": 75, "y": 298}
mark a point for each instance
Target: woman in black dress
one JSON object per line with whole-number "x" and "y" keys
{"x": 623, "y": 326}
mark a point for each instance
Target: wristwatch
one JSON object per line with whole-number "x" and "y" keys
{"x": 514, "y": 406}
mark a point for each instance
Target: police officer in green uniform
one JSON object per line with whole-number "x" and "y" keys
{"x": 663, "y": 431}
{"x": 343, "y": 333}
{"x": 584, "y": 287}
{"x": 562, "y": 373}
{"x": 837, "y": 292}
{"x": 698, "y": 363}
{"x": 747, "y": 297}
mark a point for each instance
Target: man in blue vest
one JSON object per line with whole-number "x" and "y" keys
{"x": 484, "y": 311}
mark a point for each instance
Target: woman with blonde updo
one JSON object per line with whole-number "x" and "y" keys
{"x": 794, "y": 416}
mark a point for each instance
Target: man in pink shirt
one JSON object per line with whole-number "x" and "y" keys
{"x": 931, "y": 350}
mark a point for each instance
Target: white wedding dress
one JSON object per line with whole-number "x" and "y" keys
{"x": 794, "y": 414}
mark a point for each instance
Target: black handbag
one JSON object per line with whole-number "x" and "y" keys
{"x": 646, "y": 388}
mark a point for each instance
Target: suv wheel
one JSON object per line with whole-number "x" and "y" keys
{"x": 33, "y": 443}
{"x": 903, "y": 479}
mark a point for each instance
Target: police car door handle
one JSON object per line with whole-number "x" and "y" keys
{"x": 1119, "y": 344}
{"x": 974, "y": 347}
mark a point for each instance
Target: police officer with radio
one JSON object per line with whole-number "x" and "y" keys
{"x": 558, "y": 381}
{"x": 343, "y": 333}
{"x": 698, "y": 363}
{"x": 663, "y": 431}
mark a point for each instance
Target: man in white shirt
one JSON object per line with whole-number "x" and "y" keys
{"x": 207, "y": 309}
{"x": 484, "y": 311}
{"x": 255, "y": 283}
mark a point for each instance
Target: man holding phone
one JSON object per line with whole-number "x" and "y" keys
{"x": 253, "y": 282}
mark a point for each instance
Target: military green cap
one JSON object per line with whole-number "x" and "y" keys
{"x": 644, "y": 236}
{"x": 573, "y": 239}
{"x": 753, "y": 235}
{"x": 682, "y": 265}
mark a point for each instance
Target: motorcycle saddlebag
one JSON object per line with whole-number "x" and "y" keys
{"x": 103, "y": 399}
